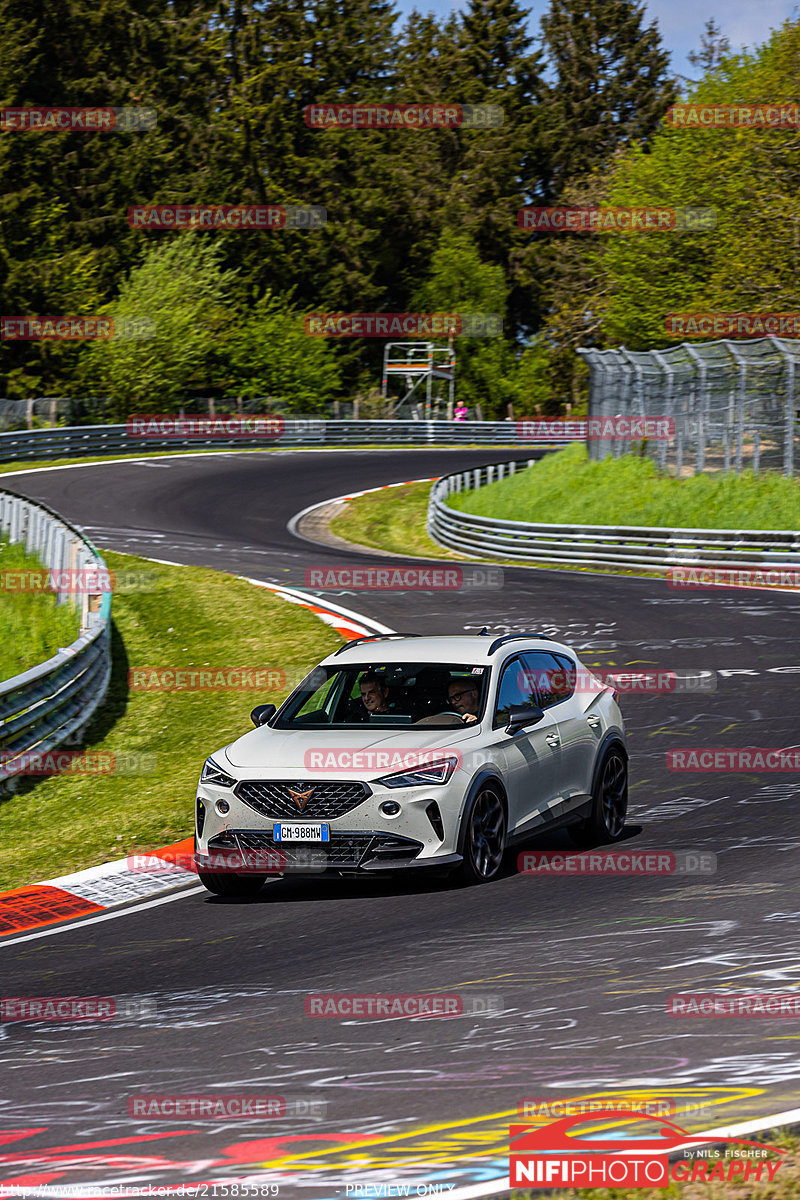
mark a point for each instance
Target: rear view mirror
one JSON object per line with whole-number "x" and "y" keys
{"x": 521, "y": 715}
{"x": 262, "y": 713}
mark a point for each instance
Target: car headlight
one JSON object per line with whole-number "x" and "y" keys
{"x": 213, "y": 774}
{"x": 435, "y": 772}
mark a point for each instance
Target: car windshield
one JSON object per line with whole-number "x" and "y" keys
{"x": 384, "y": 695}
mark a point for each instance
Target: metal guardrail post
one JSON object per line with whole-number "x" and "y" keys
{"x": 789, "y": 401}
{"x": 42, "y": 707}
{"x": 701, "y": 408}
{"x": 669, "y": 404}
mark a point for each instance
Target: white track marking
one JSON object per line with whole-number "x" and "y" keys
{"x": 317, "y": 601}
{"x": 136, "y": 460}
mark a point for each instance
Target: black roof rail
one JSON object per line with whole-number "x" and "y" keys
{"x": 373, "y": 637}
{"x": 513, "y": 637}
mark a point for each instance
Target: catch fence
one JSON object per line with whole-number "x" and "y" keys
{"x": 734, "y": 404}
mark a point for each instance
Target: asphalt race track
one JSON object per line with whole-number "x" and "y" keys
{"x": 583, "y": 965}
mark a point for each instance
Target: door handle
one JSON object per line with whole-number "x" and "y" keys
{"x": 593, "y": 721}
{"x": 553, "y": 739}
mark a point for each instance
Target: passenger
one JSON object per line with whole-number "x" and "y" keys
{"x": 374, "y": 693}
{"x": 464, "y": 696}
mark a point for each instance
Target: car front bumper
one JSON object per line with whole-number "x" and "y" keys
{"x": 363, "y": 839}
{"x": 249, "y": 851}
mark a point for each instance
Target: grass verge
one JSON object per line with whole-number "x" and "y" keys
{"x": 565, "y": 488}
{"x": 391, "y": 519}
{"x": 33, "y": 625}
{"x": 191, "y": 618}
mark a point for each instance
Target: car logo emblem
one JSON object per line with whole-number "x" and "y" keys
{"x": 300, "y": 797}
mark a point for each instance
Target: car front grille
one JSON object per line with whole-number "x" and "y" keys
{"x": 344, "y": 851}
{"x": 323, "y": 800}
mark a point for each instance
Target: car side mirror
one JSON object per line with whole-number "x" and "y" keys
{"x": 521, "y": 715}
{"x": 262, "y": 713}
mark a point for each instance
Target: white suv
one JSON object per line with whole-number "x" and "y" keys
{"x": 405, "y": 752}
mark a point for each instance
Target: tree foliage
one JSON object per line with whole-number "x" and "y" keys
{"x": 415, "y": 218}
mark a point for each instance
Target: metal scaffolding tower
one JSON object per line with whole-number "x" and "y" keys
{"x": 413, "y": 363}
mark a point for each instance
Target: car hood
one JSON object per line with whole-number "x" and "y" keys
{"x": 283, "y": 752}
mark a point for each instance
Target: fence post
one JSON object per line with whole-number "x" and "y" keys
{"x": 756, "y": 450}
{"x": 701, "y": 392}
{"x": 789, "y": 419}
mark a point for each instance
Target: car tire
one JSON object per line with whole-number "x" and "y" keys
{"x": 483, "y": 836}
{"x": 228, "y": 884}
{"x": 606, "y": 821}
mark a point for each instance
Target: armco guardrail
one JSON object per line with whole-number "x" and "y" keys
{"x": 43, "y": 707}
{"x": 630, "y": 547}
{"x": 91, "y": 440}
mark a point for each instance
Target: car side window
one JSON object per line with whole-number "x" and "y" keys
{"x": 515, "y": 690}
{"x": 552, "y": 675}
{"x": 319, "y": 693}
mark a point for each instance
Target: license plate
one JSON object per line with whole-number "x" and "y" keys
{"x": 300, "y": 831}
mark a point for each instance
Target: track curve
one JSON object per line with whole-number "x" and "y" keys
{"x": 583, "y": 965}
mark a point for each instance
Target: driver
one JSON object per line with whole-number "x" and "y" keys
{"x": 374, "y": 693}
{"x": 464, "y": 696}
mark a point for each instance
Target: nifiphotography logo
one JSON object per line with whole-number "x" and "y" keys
{"x": 555, "y": 1156}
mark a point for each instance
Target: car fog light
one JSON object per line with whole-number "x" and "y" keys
{"x": 390, "y": 808}
{"x": 222, "y": 807}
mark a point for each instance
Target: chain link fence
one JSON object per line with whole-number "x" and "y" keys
{"x": 44, "y": 412}
{"x": 51, "y": 412}
{"x": 734, "y": 404}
